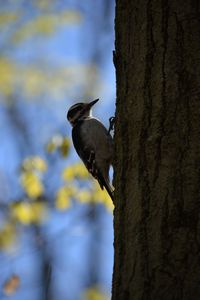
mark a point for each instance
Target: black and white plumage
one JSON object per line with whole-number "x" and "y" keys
{"x": 92, "y": 142}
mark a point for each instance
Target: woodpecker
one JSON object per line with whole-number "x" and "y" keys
{"x": 92, "y": 142}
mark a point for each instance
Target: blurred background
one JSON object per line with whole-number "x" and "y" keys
{"x": 56, "y": 236}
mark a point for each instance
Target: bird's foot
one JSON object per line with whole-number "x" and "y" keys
{"x": 112, "y": 124}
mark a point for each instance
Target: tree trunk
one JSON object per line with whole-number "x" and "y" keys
{"x": 157, "y": 150}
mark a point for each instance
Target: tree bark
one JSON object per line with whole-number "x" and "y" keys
{"x": 157, "y": 150}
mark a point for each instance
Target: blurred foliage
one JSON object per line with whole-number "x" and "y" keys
{"x": 90, "y": 193}
{"x": 38, "y": 79}
{"x": 72, "y": 176}
{"x": 79, "y": 186}
{"x": 34, "y": 163}
{"x": 7, "y": 18}
{"x": 45, "y": 24}
{"x": 32, "y": 168}
{"x": 32, "y": 184}
{"x": 7, "y": 235}
{"x": 35, "y": 81}
{"x": 43, "y": 4}
{"x": 60, "y": 143}
{"x": 94, "y": 293}
{"x": 25, "y": 75}
{"x": 63, "y": 196}
{"x": 75, "y": 171}
{"x": 29, "y": 212}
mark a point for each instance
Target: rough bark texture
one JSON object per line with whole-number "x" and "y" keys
{"x": 157, "y": 149}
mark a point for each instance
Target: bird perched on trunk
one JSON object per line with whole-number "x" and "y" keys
{"x": 92, "y": 142}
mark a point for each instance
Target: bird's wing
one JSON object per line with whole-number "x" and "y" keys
{"x": 94, "y": 145}
{"x": 91, "y": 135}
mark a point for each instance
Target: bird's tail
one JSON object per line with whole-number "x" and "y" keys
{"x": 103, "y": 179}
{"x": 110, "y": 189}
{"x": 105, "y": 183}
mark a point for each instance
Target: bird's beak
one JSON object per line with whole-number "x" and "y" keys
{"x": 92, "y": 103}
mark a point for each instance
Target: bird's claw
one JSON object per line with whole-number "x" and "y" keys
{"x": 112, "y": 124}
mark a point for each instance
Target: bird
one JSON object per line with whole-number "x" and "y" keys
{"x": 92, "y": 142}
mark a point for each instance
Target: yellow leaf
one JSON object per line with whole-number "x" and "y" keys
{"x": 39, "y": 212}
{"x": 76, "y": 170}
{"x": 27, "y": 213}
{"x": 84, "y": 196}
{"x": 81, "y": 171}
{"x": 44, "y": 24}
{"x": 22, "y": 212}
{"x": 59, "y": 142}
{"x": 109, "y": 204}
{"x": 68, "y": 173}
{"x": 32, "y": 184}
{"x": 7, "y": 236}
{"x": 50, "y": 147}
{"x": 34, "y": 163}
{"x": 94, "y": 293}
{"x": 101, "y": 196}
{"x": 95, "y": 195}
{"x": 63, "y": 198}
{"x": 7, "y": 73}
{"x": 11, "y": 285}
{"x": 8, "y": 17}
{"x": 39, "y": 164}
{"x": 64, "y": 148}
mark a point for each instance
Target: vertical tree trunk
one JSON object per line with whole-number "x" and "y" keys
{"x": 157, "y": 150}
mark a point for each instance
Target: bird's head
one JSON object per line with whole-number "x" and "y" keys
{"x": 80, "y": 111}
